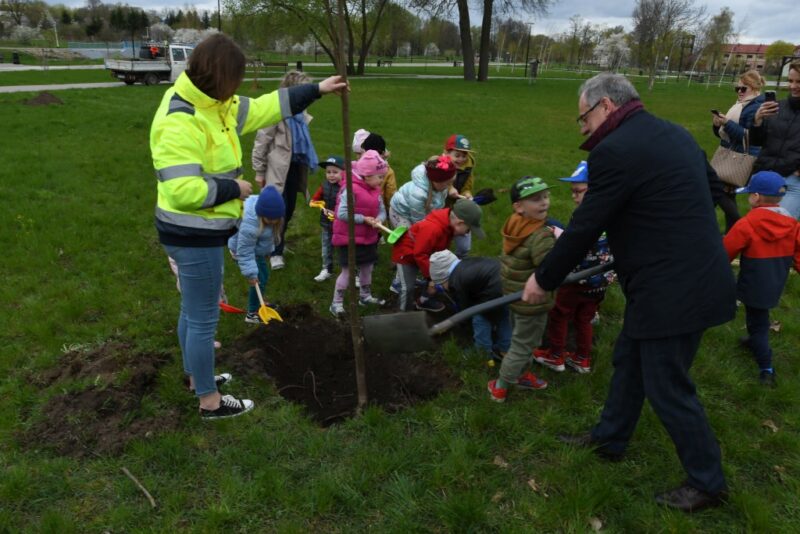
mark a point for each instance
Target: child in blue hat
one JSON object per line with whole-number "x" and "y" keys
{"x": 768, "y": 239}
{"x": 576, "y": 303}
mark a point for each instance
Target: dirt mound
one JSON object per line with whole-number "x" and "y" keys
{"x": 310, "y": 358}
{"x": 108, "y": 413}
{"x": 43, "y": 99}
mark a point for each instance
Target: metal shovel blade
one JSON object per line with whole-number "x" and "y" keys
{"x": 398, "y": 332}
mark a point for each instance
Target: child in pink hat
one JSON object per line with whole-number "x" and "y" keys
{"x": 368, "y": 213}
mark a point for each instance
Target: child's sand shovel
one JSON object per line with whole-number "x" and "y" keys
{"x": 224, "y": 306}
{"x": 320, "y": 204}
{"x": 395, "y": 234}
{"x": 409, "y": 332}
{"x": 265, "y": 312}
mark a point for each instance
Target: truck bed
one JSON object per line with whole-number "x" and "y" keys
{"x": 137, "y": 65}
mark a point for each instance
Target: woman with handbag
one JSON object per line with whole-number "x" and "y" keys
{"x": 732, "y": 129}
{"x": 777, "y": 129}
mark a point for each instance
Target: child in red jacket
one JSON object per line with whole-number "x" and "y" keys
{"x": 768, "y": 238}
{"x": 412, "y": 252}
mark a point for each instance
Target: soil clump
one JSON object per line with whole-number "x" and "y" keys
{"x": 43, "y": 99}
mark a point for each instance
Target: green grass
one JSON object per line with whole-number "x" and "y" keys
{"x": 81, "y": 264}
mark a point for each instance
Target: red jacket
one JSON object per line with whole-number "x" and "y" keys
{"x": 769, "y": 240}
{"x": 431, "y": 234}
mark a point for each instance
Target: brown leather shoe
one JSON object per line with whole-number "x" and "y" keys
{"x": 689, "y": 499}
{"x": 585, "y": 441}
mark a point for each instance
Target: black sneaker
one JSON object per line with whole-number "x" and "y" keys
{"x": 220, "y": 380}
{"x": 767, "y": 378}
{"x": 252, "y": 318}
{"x": 429, "y": 304}
{"x": 229, "y": 406}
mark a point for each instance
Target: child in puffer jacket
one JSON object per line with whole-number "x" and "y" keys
{"x": 368, "y": 213}
{"x": 259, "y": 232}
{"x": 427, "y": 191}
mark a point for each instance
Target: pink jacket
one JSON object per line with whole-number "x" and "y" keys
{"x": 367, "y": 203}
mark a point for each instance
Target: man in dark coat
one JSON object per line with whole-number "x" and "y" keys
{"x": 649, "y": 190}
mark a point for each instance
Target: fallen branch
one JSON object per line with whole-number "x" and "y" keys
{"x": 139, "y": 485}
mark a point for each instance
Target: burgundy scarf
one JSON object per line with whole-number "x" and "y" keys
{"x": 612, "y": 122}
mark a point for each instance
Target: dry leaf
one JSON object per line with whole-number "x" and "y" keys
{"x": 596, "y": 524}
{"x": 769, "y": 424}
{"x": 500, "y": 462}
{"x": 775, "y": 326}
{"x": 535, "y": 487}
{"x": 497, "y": 497}
{"x": 781, "y": 471}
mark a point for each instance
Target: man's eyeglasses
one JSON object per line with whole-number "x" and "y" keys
{"x": 581, "y": 120}
{"x": 740, "y": 88}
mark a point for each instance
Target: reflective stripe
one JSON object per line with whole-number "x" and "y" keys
{"x": 211, "y": 197}
{"x": 284, "y": 102}
{"x": 179, "y": 171}
{"x": 194, "y": 221}
{"x": 227, "y": 175}
{"x": 241, "y": 115}
{"x": 178, "y": 104}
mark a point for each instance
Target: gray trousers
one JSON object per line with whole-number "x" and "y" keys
{"x": 526, "y": 335}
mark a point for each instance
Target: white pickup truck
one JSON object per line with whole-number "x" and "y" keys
{"x": 154, "y": 64}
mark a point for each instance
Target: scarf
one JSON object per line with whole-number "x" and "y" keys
{"x": 612, "y": 122}
{"x": 734, "y": 114}
{"x": 302, "y": 147}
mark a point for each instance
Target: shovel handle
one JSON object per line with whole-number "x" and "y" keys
{"x": 384, "y": 228}
{"x": 448, "y": 323}
{"x": 260, "y": 298}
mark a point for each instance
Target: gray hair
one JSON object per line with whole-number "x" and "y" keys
{"x": 616, "y": 87}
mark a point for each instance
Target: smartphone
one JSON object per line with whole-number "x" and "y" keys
{"x": 715, "y": 111}
{"x": 769, "y": 96}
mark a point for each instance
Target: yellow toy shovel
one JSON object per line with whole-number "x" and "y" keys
{"x": 321, "y": 205}
{"x": 265, "y": 312}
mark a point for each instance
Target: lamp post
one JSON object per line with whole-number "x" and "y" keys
{"x": 219, "y": 18}
{"x": 527, "y": 47}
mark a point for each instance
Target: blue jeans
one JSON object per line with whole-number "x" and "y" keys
{"x": 492, "y": 335}
{"x": 757, "y": 320}
{"x": 791, "y": 202}
{"x": 200, "y": 274}
{"x": 463, "y": 245}
{"x": 253, "y": 304}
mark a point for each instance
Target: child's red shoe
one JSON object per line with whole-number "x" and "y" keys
{"x": 546, "y": 358}
{"x": 582, "y": 364}
{"x": 531, "y": 381}
{"x": 497, "y": 394}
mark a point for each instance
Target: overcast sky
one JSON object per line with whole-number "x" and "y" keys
{"x": 756, "y": 21}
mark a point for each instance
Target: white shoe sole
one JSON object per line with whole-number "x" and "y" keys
{"x": 556, "y": 368}
{"x": 248, "y": 406}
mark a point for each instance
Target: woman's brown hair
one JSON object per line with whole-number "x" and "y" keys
{"x": 216, "y": 66}
{"x": 795, "y": 66}
{"x": 752, "y": 79}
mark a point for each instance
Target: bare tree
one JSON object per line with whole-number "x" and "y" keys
{"x": 16, "y": 9}
{"x": 655, "y": 23}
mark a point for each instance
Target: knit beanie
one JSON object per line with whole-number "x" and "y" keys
{"x": 374, "y": 142}
{"x": 358, "y": 140}
{"x": 440, "y": 168}
{"x": 370, "y": 164}
{"x": 440, "y": 263}
{"x": 270, "y": 203}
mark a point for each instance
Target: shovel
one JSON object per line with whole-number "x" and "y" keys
{"x": 265, "y": 312}
{"x": 320, "y": 204}
{"x": 395, "y": 234}
{"x": 409, "y": 332}
{"x": 224, "y": 306}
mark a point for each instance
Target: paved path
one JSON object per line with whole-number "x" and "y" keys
{"x": 58, "y": 87}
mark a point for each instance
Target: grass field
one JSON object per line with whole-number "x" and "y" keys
{"x": 81, "y": 264}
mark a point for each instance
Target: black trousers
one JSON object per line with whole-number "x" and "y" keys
{"x": 296, "y": 181}
{"x": 658, "y": 370}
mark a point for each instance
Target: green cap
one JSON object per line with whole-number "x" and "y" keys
{"x": 470, "y": 213}
{"x": 527, "y": 186}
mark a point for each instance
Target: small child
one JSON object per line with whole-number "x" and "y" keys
{"x": 459, "y": 149}
{"x": 577, "y": 303}
{"x": 375, "y": 142}
{"x": 412, "y": 251}
{"x": 327, "y": 192}
{"x": 259, "y": 233}
{"x": 768, "y": 238}
{"x": 526, "y": 241}
{"x": 368, "y": 212}
{"x": 473, "y": 281}
{"x": 427, "y": 191}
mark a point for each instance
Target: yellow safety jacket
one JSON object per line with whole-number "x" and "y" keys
{"x": 196, "y": 151}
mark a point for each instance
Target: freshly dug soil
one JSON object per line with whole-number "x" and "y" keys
{"x": 43, "y": 99}
{"x": 105, "y": 416}
{"x": 311, "y": 360}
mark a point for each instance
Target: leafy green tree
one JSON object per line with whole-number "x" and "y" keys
{"x": 774, "y": 53}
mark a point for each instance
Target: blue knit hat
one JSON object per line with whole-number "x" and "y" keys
{"x": 270, "y": 203}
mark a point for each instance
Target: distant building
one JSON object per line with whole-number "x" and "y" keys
{"x": 742, "y": 57}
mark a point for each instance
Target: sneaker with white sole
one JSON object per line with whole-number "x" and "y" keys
{"x": 429, "y": 304}
{"x": 396, "y": 288}
{"x": 323, "y": 275}
{"x": 229, "y": 406}
{"x": 369, "y": 299}
{"x": 337, "y": 309}
{"x": 276, "y": 262}
{"x": 252, "y": 318}
{"x": 548, "y": 359}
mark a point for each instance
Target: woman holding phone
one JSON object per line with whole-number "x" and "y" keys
{"x": 777, "y": 128}
{"x": 732, "y": 128}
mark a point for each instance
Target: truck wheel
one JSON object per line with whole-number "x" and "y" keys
{"x": 150, "y": 78}
{"x": 128, "y": 81}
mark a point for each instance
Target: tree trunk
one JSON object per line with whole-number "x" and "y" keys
{"x": 467, "y": 52}
{"x": 486, "y": 34}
